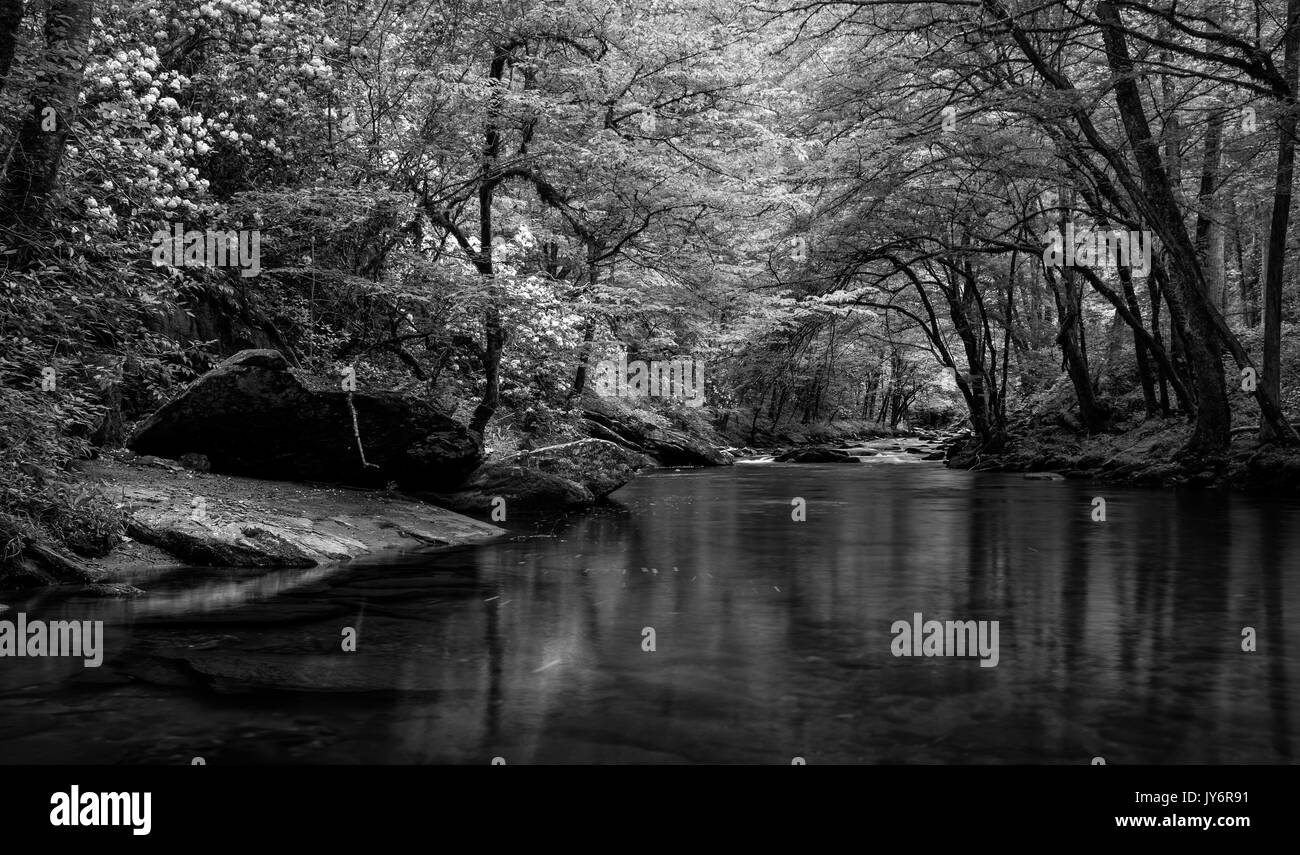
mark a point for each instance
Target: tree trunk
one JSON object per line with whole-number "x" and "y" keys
{"x": 589, "y": 328}
{"x": 1209, "y": 234}
{"x": 584, "y": 358}
{"x": 1140, "y": 350}
{"x": 1201, "y": 340}
{"x": 11, "y": 16}
{"x": 1246, "y": 254}
{"x": 1270, "y": 380}
{"x": 35, "y": 167}
{"x": 493, "y": 333}
{"x": 1153, "y": 291}
{"x": 1068, "y": 305}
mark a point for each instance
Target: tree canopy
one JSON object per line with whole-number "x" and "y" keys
{"x": 843, "y": 208}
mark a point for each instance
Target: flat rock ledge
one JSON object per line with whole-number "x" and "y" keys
{"x": 220, "y": 520}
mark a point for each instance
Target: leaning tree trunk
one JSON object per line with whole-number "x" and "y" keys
{"x": 1202, "y": 341}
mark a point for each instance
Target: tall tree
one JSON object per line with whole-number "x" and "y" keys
{"x": 1270, "y": 380}
{"x": 39, "y": 150}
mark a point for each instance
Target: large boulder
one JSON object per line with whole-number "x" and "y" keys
{"x": 572, "y": 474}
{"x": 523, "y": 489}
{"x": 599, "y": 466}
{"x": 606, "y": 420}
{"x": 255, "y": 415}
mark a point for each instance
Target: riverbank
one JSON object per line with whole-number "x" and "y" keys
{"x": 176, "y": 516}
{"x": 1148, "y": 455}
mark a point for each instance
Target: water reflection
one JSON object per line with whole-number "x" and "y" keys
{"x": 1119, "y": 639}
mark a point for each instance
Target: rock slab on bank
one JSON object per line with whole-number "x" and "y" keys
{"x": 255, "y": 415}
{"x": 218, "y": 520}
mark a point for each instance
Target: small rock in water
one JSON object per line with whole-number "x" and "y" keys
{"x": 820, "y": 454}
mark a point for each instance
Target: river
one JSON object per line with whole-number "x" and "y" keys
{"x": 1119, "y": 639}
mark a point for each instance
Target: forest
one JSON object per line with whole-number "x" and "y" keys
{"x": 1055, "y": 231}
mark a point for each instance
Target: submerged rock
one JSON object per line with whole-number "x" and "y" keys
{"x": 254, "y": 415}
{"x": 236, "y": 671}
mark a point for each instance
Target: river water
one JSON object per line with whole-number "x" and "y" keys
{"x": 1119, "y": 639}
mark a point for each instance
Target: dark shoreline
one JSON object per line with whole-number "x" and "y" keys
{"x": 1149, "y": 455}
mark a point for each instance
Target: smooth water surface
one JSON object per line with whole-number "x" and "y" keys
{"x": 1119, "y": 639}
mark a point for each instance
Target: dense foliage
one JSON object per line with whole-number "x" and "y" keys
{"x": 839, "y": 207}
